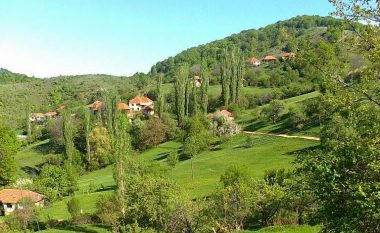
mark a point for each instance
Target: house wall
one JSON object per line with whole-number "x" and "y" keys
{"x": 7, "y": 208}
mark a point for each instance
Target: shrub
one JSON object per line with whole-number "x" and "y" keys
{"x": 172, "y": 158}
{"x": 273, "y": 110}
{"x": 73, "y": 206}
{"x": 249, "y": 141}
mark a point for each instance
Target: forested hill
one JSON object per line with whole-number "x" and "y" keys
{"x": 288, "y": 35}
{"x": 7, "y": 77}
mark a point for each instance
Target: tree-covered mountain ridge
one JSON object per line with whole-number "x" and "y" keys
{"x": 283, "y": 36}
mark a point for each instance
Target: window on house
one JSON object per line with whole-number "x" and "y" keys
{"x": 9, "y": 206}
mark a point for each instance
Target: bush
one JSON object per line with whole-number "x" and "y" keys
{"x": 172, "y": 158}
{"x": 273, "y": 110}
{"x": 249, "y": 141}
{"x": 73, "y": 206}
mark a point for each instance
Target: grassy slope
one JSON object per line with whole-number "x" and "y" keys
{"x": 268, "y": 153}
{"x": 248, "y": 123}
{"x": 287, "y": 229}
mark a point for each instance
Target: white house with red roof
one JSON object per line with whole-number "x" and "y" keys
{"x": 11, "y": 199}
{"x": 253, "y": 61}
{"x": 140, "y": 102}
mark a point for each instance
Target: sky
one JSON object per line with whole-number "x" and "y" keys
{"x": 46, "y": 38}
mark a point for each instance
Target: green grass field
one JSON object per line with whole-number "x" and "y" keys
{"x": 268, "y": 153}
{"x": 287, "y": 229}
{"x": 247, "y": 119}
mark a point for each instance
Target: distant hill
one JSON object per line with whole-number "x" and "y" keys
{"x": 7, "y": 77}
{"x": 289, "y": 35}
{"x": 273, "y": 39}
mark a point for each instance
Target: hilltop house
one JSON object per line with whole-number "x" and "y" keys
{"x": 253, "y": 61}
{"x": 10, "y": 199}
{"x": 140, "y": 102}
{"x": 269, "y": 58}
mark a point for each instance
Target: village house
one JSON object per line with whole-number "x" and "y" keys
{"x": 139, "y": 102}
{"x": 197, "y": 81}
{"x": 253, "y": 61}
{"x": 269, "y": 58}
{"x": 96, "y": 106}
{"x": 225, "y": 113}
{"x": 37, "y": 117}
{"x": 288, "y": 55}
{"x": 11, "y": 199}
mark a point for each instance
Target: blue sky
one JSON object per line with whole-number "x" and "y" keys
{"x": 47, "y": 38}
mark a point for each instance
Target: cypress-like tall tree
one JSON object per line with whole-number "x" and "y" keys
{"x": 180, "y": 85}
{"x": 233, "y": 73}
{"x": 160, "y": 94}
{"x": 122, "y": 152}
{"x": 68, "y": 132}
{"x": 225, "y": 72}
{"x": 27, "y": 122}
{"x": 87, "y": 128}
{"x": 204, "y": 86}
{"x": 240, "y": 74}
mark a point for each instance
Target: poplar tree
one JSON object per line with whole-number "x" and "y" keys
{"x": 160, "y": 94}
{"x": 225, "y": 72}
{"x": 233, "y": 72}
{"x": 122, "y": 151}
{"x": 27, "y": 122}
{"x": 180, "y": 83}
{"x": 87, "y": 124}
{"x": 68, "y": 136}
{"x": 204, "y": 86}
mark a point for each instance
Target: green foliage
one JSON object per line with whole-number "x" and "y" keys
{"x": 249, "y": 141}
{"x": 7, "y": 77}
{"x": 100, "y": 147}
{"x": 152, "y": 133}
{"x": 8, "y": 147}
{"x": 273, "y": 110}
{"x": 57, "y": 181}
{"x": 172, "y": 159}
{"x": 74, "y": 207}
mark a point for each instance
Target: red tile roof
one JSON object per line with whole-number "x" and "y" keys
{"x": 252, "y": 60}
{"x": 13, "y": 196}
{"x": 140, "y": 100}
{"x": 226, "y": 113}
{"x": 123, "y": 106}
{"x": 269, "y": 58}
{"x": 51, "y": 114}
{"x": 148, "y": 108}
{"x": 291, "y": 54}
{"x": 97, "y": 105}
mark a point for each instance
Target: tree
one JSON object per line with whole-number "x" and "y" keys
{"x": 57, "y": 181}
{"x": 87, "y": 130}
{"x": 273, "y": 110}
{"x": 23, "y": 217}
{"x": 152, "y": 133}
{"x": 225, "y": 77}
{"x": 180, "y": 87}
{"x": 74, "y": 208}
{"x": 197, "y": 139}
{"x": 100, "y": 143}
{"x": 8, "y": 147}
{"x": 172, "y": 158}
{"x": 160, "y": 94}
{"x": 234, "y": 202}
{"x": 54, "y": 130}
{"x": 68, "y": 133}
{"x": 204, "y": 86}
{"x": 27, "y": 122}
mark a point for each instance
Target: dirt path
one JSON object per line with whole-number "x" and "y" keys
{"x": 284, "y": 135}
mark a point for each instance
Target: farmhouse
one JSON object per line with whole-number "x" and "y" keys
{"x": 269, "y": 58}
{"x": 37, "y": 117}
{"x": 225, "y": 113}
{"x": 253, "y": 61}
{"x": 139, "y": 102}
{"x": 197, "y": 81}
{"x": 288, "y": 55}
{"x": 11, "y": 199}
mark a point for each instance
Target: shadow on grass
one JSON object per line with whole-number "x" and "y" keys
{"x": 255, "y": 126}
{"x": 106, "y": 188}
{"x": 79, "y": 228}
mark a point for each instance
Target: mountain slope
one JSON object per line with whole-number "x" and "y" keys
{"x": 7, "y": 77}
